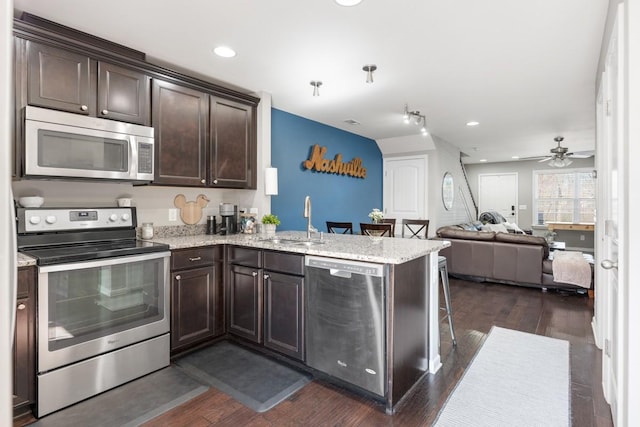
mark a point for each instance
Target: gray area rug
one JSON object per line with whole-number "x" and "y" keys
{"x": 515, "y": 379}
{"x": 130, "y": 404}
{"x": 254, "y": 380}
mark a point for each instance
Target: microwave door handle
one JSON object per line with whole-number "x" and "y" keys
{"x": 133, "y": 157}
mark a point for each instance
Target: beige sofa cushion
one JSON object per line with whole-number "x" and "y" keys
{"x": 454, "y": 233}
{"x": 524, "y": 239}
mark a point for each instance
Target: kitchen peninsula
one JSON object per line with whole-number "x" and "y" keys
{"x": 409, "y": 309}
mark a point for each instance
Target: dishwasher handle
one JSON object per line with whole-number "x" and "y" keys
{"x": 340, "y": 273}
{"x": 344, "y": 268}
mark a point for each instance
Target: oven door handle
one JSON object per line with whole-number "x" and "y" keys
{"x": 105, "y": 262}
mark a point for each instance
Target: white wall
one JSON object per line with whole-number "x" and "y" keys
{"x": 442, "y": 157}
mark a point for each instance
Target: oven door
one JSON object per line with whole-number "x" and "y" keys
{"x": 90, "y": 308}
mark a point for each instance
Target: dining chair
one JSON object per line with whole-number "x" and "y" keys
{"x": 379, "y": 229}
{"x": 418, "y": 228}
{"x": 391, "y": 221}
{"x": 339, "y": 227}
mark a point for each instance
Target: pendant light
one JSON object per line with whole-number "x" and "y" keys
{"x": 369, "y": 69}
{"x": 316, "y": 85}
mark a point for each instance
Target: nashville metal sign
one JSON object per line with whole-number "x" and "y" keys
{"x": 317, "y": 162}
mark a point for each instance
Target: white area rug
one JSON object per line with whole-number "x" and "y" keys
{"x": 516, "y": 379}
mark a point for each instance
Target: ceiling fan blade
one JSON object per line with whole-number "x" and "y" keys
{"x": 545, "y": 159}
{"x": 582, "y": 154}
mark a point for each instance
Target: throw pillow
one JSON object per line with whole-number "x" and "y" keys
{"x": 513, "y": 227}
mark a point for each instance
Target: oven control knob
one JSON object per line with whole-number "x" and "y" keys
{"x": 34, "y": 220}
{"x": 50, "y": 219}
{"x": 113, "y": 217}
{"x": 125, "y": 217}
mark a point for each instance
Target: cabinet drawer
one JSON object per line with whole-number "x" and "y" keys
{"x": 245, "y": 256}
{"x": 196, "y": 257}
{"x": 26, "y": 281}
{"x": 284, "y": 262}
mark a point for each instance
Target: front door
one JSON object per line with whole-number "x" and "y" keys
{"x": 499, "y": 192}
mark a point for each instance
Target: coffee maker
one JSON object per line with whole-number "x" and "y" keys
{"x": 229, "y": 214}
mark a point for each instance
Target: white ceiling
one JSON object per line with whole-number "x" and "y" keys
{"x": 524, "y": 69}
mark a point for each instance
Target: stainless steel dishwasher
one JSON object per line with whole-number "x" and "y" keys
{"x": 345, "y": 320}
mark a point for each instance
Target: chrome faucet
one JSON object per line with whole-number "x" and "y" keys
{"x": 307, "y": 214}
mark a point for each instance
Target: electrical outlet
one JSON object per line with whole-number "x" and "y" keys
{"x": 582, "y": 237}
{"x": 173, "y": 214}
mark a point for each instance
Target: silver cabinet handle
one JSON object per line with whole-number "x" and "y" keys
{"x": 105, "y": 112}
{"x": 203, "y": 181}
{"x": 215, "y": 181}
{"x": 195, "y": 258}
{"x": 178, "y": 277}
{"x": 608, "y": 264}
{"x": 265, "y": 277}
{"x": 254, "y": 274}
{"x": 21, "y": 306}
{"x": 84, "y": 108}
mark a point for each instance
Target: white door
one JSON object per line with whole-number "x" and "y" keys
{"x": 404, "y": 188}
{"x": 499, "y": 192}
{"x": 611, "y": 212}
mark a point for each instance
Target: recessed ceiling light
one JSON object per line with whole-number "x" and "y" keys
{"x": 348, "y": 2}
{"x": 473, "y": 123}
{"x": 515, "y": 157}
{"x": 483, "y": 160}
{"x": 224, "y": 51}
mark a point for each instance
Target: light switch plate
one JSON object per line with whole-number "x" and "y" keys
{"x": 173, "y": 214}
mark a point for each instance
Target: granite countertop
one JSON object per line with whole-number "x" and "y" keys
{"x": 387, "y": 250}
{"x": 25, "y": 260}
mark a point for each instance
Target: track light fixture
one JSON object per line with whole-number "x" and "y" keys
{"x": 417, "y": 118}
{"x": 316, "y": 84}
{"x": 369, "y": 69}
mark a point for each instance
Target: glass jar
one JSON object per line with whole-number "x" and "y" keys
{"x": 147, "y": 230}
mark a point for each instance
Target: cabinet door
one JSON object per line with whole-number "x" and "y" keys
{"x": 245, "y": 302}
{"x": 283, "y": 324}
{"x": 180, "y": 119}
{"x": 233, "y": 145}
{"x": 60, "y": 79}
{"x": 24, "y": 349}
{"x": 193, "y": 305}
{"x": 123, "y": 94}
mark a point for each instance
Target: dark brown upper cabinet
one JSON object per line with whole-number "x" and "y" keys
{"x": 60, "y": 79}
{"x": 73, "y": 82}
{"x": 202, "y": 140}
{"x": 233, "y": 146}
{"x": 123, "y": 94}
{"x": 180, "y": 117}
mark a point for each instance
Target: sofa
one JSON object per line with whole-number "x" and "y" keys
{"x": 479, "y": 254}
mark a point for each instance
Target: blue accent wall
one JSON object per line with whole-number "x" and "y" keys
{"x": 333, "y": 197}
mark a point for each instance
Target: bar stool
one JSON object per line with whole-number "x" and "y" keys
{"x": 444, "y": 276}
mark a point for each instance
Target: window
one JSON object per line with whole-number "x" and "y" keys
{"x": 567, "y": 195}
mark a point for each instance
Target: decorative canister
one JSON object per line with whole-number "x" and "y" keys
{"x": 147, "y": 230}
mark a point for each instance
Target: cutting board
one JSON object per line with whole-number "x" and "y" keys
{"x": 190, "y": 212}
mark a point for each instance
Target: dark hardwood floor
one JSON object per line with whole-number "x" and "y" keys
{"x": 477, "y": 307}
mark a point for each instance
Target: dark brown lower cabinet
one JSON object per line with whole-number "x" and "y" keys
{"x": 283, "y": 314}
{"x": 266, "y": 295}
{"x": 196, "y": 297}
{"x": 24, "y": 348}
{"x": 245, "y": 302}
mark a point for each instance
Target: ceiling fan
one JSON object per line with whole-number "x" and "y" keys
{"x": 560, "y": 156}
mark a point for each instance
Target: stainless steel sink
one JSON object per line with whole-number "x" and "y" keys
{"x": 279, "y": 241}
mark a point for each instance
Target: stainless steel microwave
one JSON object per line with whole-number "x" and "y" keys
{"x": 59, "y": 144}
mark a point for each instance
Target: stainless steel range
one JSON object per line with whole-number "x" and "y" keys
{"x": 103, "y": 301}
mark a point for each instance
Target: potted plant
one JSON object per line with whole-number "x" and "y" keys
{"x": 269, "y": 223}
